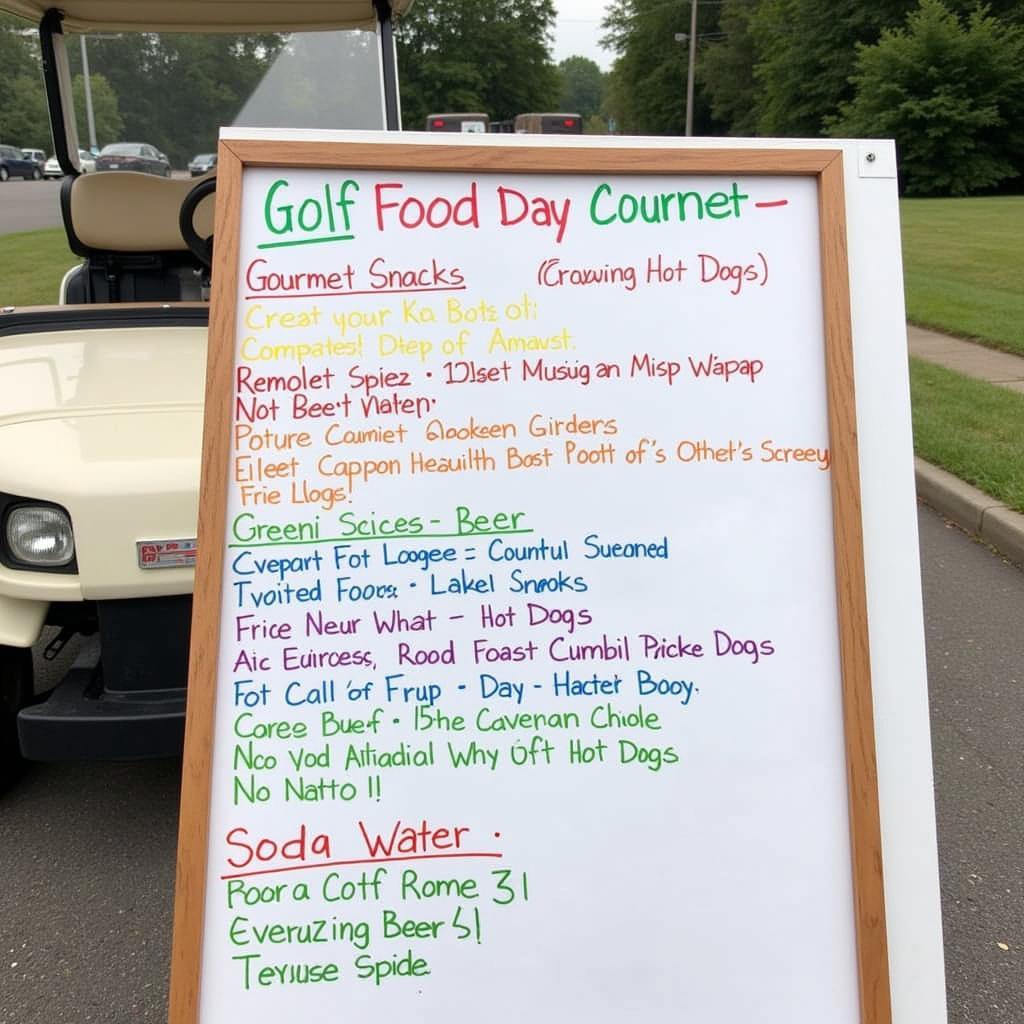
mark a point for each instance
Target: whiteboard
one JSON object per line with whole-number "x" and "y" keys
{"x": 528, "y": 479}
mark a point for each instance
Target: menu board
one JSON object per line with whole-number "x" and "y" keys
{"x": 529, "y": 672}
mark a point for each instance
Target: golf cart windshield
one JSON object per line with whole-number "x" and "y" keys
{"x": 175, "y": 91}
{"x": 170, "y": 75}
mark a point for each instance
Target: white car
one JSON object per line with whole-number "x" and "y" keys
{"x": 85, "y": 160}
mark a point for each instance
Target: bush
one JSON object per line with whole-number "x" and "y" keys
{"x": 950, "y": 94}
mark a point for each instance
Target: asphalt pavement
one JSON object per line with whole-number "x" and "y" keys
{"x": 29, "y": 205}
{"x": 973, "y": 610}
{"x": 87, "y": 851}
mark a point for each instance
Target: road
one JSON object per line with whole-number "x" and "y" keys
{"x": 29, "y": 205}
{"x": 87, "y": 851}
{"x": 974, "y": 610}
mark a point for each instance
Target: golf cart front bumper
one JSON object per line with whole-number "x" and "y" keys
{"x": 123, "y": 698}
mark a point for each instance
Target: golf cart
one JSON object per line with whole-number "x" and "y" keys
{"x": 101, "y": 395}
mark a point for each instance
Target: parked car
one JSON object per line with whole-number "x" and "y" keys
{"x": 37, "y": 156}
{"x": 13, "y": 164}
{"x": 86, "y": 161}
{"x": 133, "y": 156}
{"x": 202, "y": 163}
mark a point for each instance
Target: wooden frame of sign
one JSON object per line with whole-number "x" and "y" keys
{"x": 826, "y": 166}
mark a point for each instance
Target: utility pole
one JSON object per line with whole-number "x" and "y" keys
{"x": 691, "y": 66}
{"x": 88, "y": 96}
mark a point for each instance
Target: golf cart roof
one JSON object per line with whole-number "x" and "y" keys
{"x": 207, "y": 15}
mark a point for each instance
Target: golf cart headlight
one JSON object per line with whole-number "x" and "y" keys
{"x": 40, "y": 535}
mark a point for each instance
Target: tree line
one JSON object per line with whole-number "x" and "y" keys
{"x": 171, "y": 91}
{"x": 944, "y": 78}
{"x": 493, "y": 56}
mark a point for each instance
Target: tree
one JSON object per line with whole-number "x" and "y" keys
{"x": 175, "y": 90}
{"x": 951, "y": 94}
{"x": 782, "y": 67}
{"x": 466, "y": 55}
{"x": 647, "y": 85}
{"x": 23, "y": 120}
{"x": 19, "y": 49}
{"x": 806, "y": 56}
{"x": 583, "y": 86}
{"x": 106, "y": 117}
{"x": 727, "y": 70}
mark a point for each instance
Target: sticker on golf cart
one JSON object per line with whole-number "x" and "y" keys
{"x": 539, "y": 570}
{"x": 166, "y": 554}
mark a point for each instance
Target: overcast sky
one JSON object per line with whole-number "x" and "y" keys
{"x": 578, "y": 30}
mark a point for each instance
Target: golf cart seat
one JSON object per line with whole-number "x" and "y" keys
{"x": 125, "y": 224}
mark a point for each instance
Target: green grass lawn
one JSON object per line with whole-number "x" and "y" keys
{"x": 31, "y": 267}
{"x": 963, "y": 262}
{"x": 971, "y": 428}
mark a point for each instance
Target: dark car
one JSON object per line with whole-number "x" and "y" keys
{"x": 13, "y": 164}
{"x": 202, "y": 163}
{"x": 133, "y": 156}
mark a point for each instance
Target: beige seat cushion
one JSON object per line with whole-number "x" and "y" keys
{"x": 124, "y": 211}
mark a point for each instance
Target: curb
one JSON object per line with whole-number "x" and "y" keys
{"x": 971, "y": 509}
